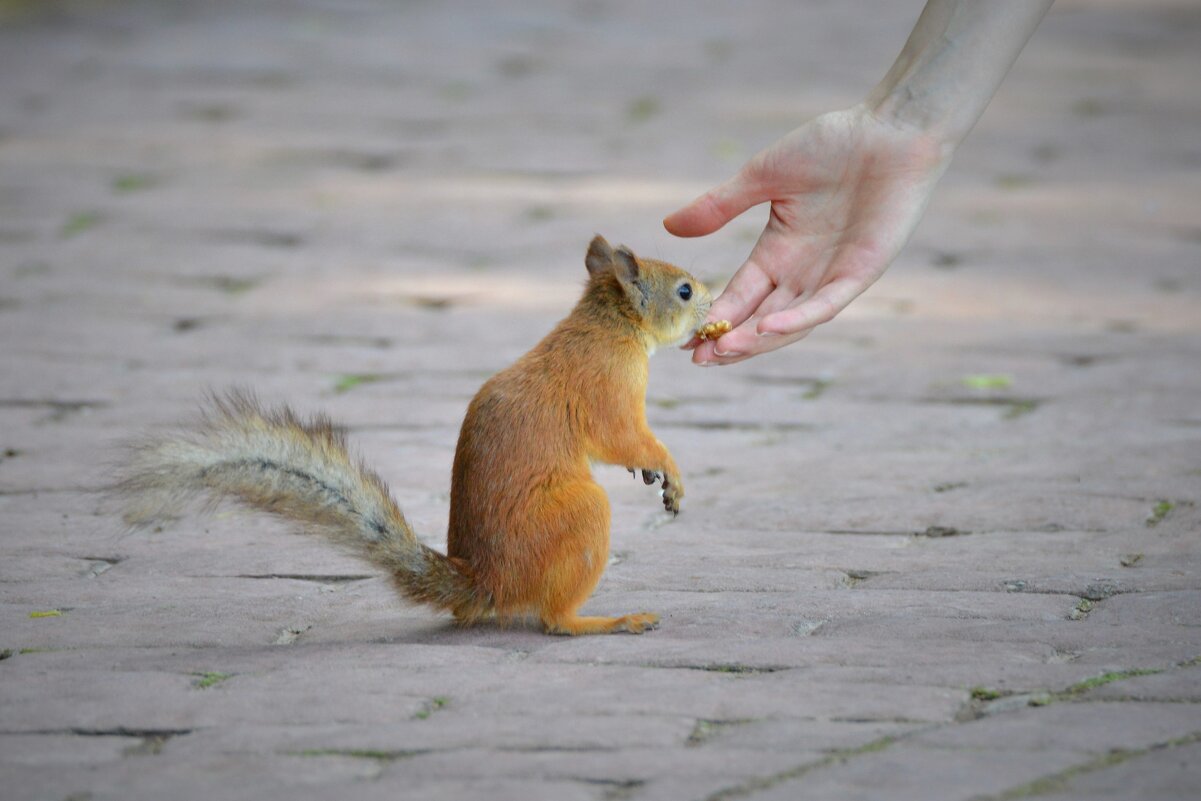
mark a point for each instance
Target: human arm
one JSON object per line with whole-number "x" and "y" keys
{"x": 848, "y": 188}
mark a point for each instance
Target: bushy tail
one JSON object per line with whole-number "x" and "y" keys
{"x": 270, "y": 459}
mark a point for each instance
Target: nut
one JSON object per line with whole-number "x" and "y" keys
{"x": 713, "y": 330}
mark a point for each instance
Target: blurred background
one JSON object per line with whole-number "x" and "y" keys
{"x": 465, "y": 152}
{"x": 374, "y": 205}
{"x": 383, "y": 203}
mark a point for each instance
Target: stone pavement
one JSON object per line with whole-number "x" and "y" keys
{"x": 946, "y": 548}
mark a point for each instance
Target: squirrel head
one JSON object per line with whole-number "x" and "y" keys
{"x": 667, "y": 304}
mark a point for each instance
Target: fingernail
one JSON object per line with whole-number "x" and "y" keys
{"x": 725, "y": 354}
{"x": 706, "y": 364}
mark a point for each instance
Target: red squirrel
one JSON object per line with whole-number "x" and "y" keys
{"x": 529, "y": 527}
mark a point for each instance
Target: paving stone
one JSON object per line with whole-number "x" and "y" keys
{"x": 878, "y": 566}
{"x": 910, "y": 772}
{"x": 1161, "y": 775}
{"x": 1069, "y": 726}
{"x": 1177, "y": 685}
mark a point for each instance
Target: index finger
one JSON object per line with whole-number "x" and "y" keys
{"x": 746, "y": 290}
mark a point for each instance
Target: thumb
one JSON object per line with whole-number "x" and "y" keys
{"x": 716, "y": 207}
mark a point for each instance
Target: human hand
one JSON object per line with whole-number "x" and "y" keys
{"x": 846, "y": 191}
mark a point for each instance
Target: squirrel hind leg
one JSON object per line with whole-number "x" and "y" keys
{"x": 572, "y": 568}
{"x": 573, "y": 625}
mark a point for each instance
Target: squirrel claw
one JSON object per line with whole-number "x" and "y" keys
{"x": 671, "y": 495}
{"x": 649, "y": 477}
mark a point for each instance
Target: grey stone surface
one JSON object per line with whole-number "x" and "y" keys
{"x": 1164, "y": 774}
{"x": 885, "y": 584}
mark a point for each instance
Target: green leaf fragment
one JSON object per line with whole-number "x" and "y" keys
{"x": 985, "y": 381}
{"x": 642, "y": 108}
{"x": 1158, "y": 512}
{"x": 347, "y": 382}
{"x": 206, "y": 680}
{"x": 132, "y": 182}
{"x": 985, "y": 694}
{"x": 79, "y": 222}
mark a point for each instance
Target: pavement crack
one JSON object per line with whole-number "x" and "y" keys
{"x": 898, "y": 720}
{"x": 938, "y": 532}
{"x": 706, "y": 729}
{"x": 557, "y": 749}
{"x": 377, "y": 755}
{"x": 1146, "y": 699}
{"x": 869, "y": 532}
{"x": 1061, "y": 781}
{"x": 1014, "y": 406}
{"x": 855, "y": 576}
{"x": 836, "y": 757}
{"x": 36, "y": 491}
{"x": 1093, "y": 592}
{"x": 982, "y": 702}
{"x": 57, "y": 410}
{"x": 320, "y": 578}
{"x": 115, "y": 731}
{"x": 985, "y": 701}
{"x": 98, "y": 565}
{"x": 734, "y": 425}
{"x": 615, "y": 789}
{"x": 724, "y": 667}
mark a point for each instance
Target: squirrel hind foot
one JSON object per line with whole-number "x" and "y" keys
{"x": 574, "y": 626}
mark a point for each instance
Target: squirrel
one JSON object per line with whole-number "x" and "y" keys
{"x": 529, "y": 527}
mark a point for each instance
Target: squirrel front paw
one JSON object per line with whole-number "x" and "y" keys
{"x": 673, "y": 493}
{"x": 673, "y": 488}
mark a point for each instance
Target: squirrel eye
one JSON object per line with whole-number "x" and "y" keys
{"x": 685, "y": 291}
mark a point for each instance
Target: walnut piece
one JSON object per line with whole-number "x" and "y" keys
{"x": 713, "y": 330}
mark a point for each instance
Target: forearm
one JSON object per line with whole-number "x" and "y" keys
{"x": 952, "y": 64}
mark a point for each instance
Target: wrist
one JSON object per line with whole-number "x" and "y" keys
{"x": 926, "y": 147}
{"x": 914, "y": 115}
{"x": 952, "y": 64}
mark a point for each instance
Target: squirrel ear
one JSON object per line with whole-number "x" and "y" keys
{"x": 600, "y": 256}
{"x": 625, "y": 264}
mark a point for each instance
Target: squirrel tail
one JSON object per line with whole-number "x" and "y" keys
{"x": 274, "y": 461}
